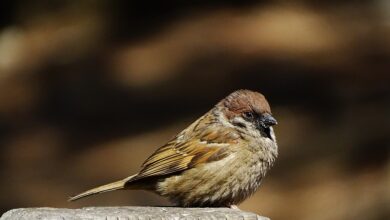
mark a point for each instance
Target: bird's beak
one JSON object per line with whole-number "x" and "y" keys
{"x": 266, "y": 120}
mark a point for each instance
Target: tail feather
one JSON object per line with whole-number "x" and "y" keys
{"x": 102, "y": 189}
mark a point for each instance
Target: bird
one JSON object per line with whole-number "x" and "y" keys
{"x": 217, "y": 161}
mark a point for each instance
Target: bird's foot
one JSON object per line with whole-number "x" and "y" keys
{"x": 234, "y": 207}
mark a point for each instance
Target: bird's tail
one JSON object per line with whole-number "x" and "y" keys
{"x": 101, "y": 189}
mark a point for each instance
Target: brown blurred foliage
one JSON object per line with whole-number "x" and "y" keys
{"x": 88, "y": 89}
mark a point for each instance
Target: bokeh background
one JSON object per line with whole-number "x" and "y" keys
{"x": 89, "y": 89}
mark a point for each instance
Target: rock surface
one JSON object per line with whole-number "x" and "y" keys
{"x": 129, "y": 213}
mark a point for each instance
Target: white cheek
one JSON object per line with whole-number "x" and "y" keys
{"x": 272, "y": 133}
{"x": 223, "y": 120}
{"x": 248, "y": 125}
{"x": 249, "y": 128}
{"x": 239, "y": 120}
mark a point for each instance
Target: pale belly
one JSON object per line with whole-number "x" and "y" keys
{"x": 221, "y": 183}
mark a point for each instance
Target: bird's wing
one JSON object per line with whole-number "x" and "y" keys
{"x": 185, "y": 153}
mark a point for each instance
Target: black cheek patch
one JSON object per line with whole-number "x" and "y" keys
{"x": 240, "y": 124}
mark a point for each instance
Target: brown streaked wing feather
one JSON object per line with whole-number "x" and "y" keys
{"x": 185, "y": 154}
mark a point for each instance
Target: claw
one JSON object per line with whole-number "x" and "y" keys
{"x": 234, "y": 207}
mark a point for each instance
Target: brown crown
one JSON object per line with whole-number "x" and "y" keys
{"x": 245, "y": 100}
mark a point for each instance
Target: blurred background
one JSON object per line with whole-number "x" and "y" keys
{"x": 89, "y": 89}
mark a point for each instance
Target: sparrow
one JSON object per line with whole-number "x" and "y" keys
{"x": 217, "y": 161}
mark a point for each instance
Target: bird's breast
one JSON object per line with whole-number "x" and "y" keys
{"x": 220, "y": 183}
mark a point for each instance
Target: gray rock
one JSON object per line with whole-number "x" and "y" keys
{"x": 129, "y": 213}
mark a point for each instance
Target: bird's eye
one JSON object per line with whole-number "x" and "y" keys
{"x": 249, "y": 115}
